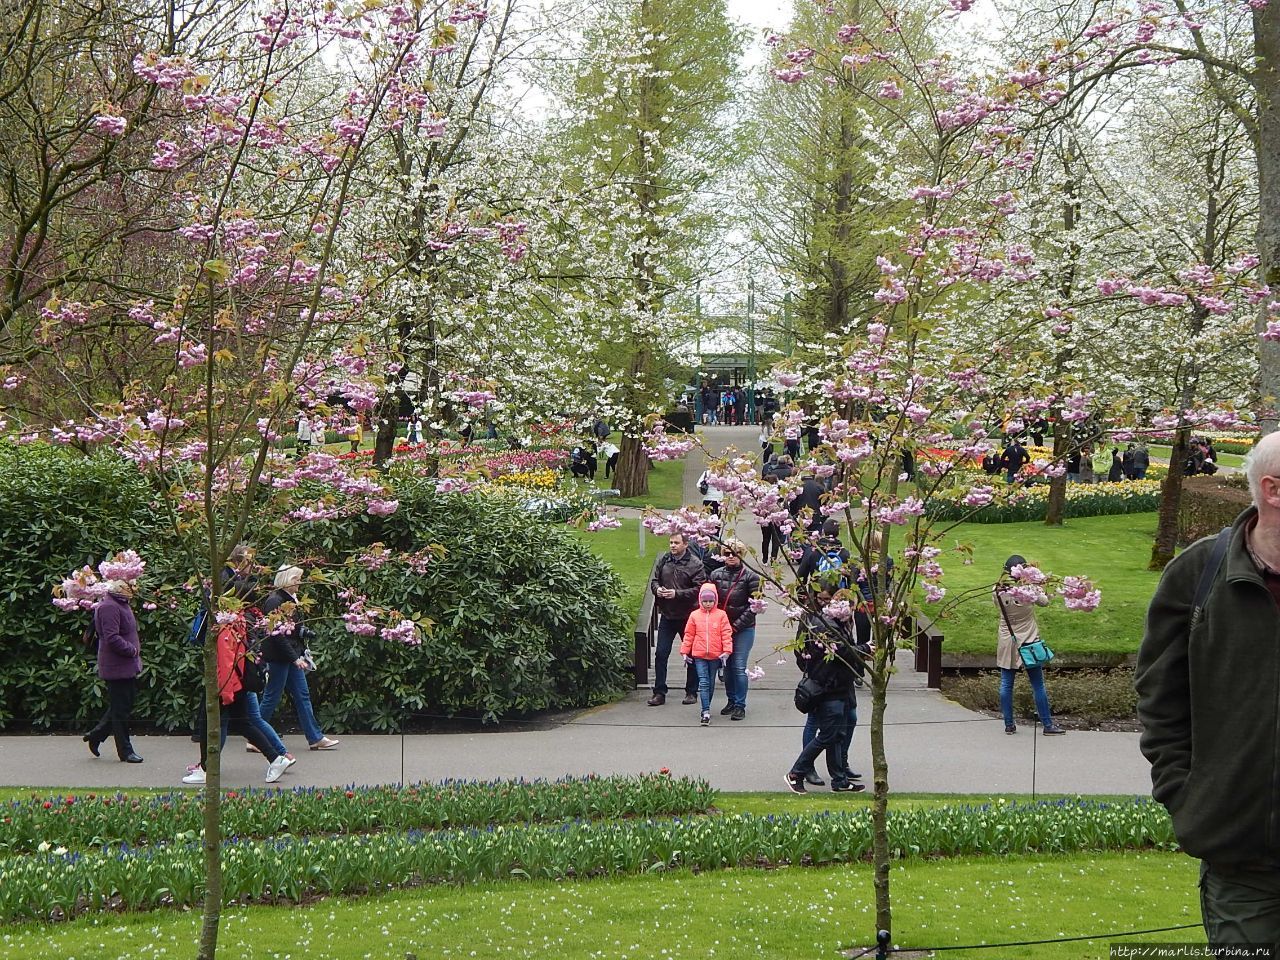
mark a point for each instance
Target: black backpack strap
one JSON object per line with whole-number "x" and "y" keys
{"x": 1210, "y": 573}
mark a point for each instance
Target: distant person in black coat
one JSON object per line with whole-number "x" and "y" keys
{"x": 1116, "y": 473}
{"x": 809, "y": 498}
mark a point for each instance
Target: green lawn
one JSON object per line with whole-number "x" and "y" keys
{"x": 1223, "y": 460}
{"x": 666, "y": 484}
{"x": 1112, "y": 551}
{"x": 620, "y": 549}
{"x": 784, "y": 914}
{"x": 666, "y": 487}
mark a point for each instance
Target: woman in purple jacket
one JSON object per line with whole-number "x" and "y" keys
{"x": 119, "y": 663}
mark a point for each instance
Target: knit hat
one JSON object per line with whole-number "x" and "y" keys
{"x": 1015, "y": 561}
{"x": 708, "y": 590}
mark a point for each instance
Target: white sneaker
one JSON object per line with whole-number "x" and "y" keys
{"x": 277, "y": 767}
{"x": 292, "y": 760}
{"x": 194, "y": 777}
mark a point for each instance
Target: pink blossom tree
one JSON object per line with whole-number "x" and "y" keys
{"x": 259, "y": 316}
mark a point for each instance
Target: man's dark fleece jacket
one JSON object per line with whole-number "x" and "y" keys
{"x": 1209, "y": 702}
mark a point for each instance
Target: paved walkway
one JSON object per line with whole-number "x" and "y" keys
{"x": 933, "y": 744}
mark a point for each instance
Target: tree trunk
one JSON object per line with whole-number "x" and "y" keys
{"x": 632, "y": 474}
{"x": 1266, "y": 85}
{"x": 211, "y": 914}
{"x": 1166, "y": 541}
{"x": 880, "y": 797}
{"x": 388, "y": 414}
{"x": 838, "y": 310}
{"x": 1058, "y": 485}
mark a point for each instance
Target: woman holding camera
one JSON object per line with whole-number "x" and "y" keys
{"x": 1018, "y": 626}
{"x": 285, "y": 653}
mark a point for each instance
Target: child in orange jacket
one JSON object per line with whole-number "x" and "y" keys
{"x": 706, "y": 644}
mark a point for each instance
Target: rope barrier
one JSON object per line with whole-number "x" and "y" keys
{"x": 1110, "y": 935}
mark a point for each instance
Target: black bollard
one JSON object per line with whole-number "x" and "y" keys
{"x": 882, "y": 945}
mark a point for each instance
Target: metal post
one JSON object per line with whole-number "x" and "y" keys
{"x": 751, "y": 357}
{"x": 640, "y": 524}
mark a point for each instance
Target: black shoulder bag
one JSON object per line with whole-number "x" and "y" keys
{"x": 1210, "y": 574}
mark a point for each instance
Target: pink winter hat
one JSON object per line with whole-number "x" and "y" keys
{"x": 708, "y": 590}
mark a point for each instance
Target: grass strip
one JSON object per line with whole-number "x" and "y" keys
{"x": 59, "y": 884}
{"x": 765, "y": 914}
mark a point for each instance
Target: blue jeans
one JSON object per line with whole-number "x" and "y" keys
{"x": 829, "y": 721}
{"x": 289, "y": 675}
{"x": 706, "y": 670}
{"x": 257, "y": 731}
{"x": 668, "y": 630}
{"x": 1036, "y": 676}
{"x": 735, "y": 674}
{"x": 846, "y": 734}
{"x": 1139, "y": 473}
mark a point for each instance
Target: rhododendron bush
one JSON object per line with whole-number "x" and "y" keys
{"x": 396, "y": 601}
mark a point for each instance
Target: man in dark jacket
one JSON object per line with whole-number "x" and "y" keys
{"x": 676, "y": 579}
{"x": 810, "y": 498}
{"x": 1210, "y": 711}
{"x": 775, "y": 471}
{"x": 1141, "y": 462}
{"x": 827, "y": 559}
{"x": 1013, "y": 459}
{"x": 828, "y": 658}
{"x": 737, "y": 586}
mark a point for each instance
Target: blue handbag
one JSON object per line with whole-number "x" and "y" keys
{"x": 1035, "y": 653}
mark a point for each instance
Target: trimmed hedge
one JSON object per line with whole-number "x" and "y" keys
{"x": 1210, "y": 503}
{"x": 525, "y": 617}
{"x": 1088, "y": 696}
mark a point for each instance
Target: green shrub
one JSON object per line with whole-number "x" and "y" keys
{"x": 1210, "y": 503}
{"x": 1091, "y": 697}
{"x": 525, "y": 617}
{"x": 58, "y": 511}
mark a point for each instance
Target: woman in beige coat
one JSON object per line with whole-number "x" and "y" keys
{"x": 1017, "y": 625}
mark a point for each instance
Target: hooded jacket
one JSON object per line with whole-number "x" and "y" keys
{"x": 1209, "y": 702}
{"x": 707, "y": 635}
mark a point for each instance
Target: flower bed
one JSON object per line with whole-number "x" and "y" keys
{"x": 1032, "y": 503}
{"x": 93, "y": 819}
{"x": 529, "y": 479}
{"x": 58, "y": 884}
